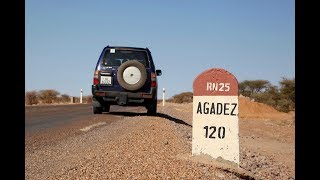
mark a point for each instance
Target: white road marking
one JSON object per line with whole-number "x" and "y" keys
{"x": 91, "y": 126}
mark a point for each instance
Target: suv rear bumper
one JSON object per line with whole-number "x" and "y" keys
{"x": 124, "y": 98}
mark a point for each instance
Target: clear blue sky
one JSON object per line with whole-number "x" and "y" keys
{"x": 252, "y": 39}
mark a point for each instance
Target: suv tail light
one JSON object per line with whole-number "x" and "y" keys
{"x": 153, "y": 84}
{"x": 153, "y": 80}
{"x": 95, "y": 81}
{"x": 96, "y": 78}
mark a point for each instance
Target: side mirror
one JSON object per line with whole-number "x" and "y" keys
{"x": 158, "y": 72}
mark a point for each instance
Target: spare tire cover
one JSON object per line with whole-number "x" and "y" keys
{"x": 132, "y": 75}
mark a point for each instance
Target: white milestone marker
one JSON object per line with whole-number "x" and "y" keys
{"x": 215, "y": 128}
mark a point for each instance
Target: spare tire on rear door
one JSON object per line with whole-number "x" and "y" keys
{"x": 132, "y": 75}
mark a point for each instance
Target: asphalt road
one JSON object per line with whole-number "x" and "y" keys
{"x": 43, "y": 117}
{"x": 51, "y": 123}
{"x": 39, "y": 118}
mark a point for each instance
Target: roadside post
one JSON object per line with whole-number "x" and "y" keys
{"x": 163, "y": 92}
{"x": 215, "y": 126}
{"x": 80, "y": 96}
{"x": 72, "y": 99}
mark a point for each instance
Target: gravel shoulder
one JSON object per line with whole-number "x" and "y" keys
{"x": 132, "y": 148}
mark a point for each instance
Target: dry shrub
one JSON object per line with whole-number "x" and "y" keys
{"x": 85, "y": 99}
{"x": 31, "y": 97}
{"x": 64, "y": 98}
{"x": 77, "y": 99}
{"x": 88, "y": 99}
{"x": 48, "y": 96}
{"x": 185, "y": 97}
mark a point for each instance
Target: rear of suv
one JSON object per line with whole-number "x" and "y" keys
{"x": 125, "y": 76}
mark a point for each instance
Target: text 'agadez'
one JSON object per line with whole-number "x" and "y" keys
{"x": 217, "y": 108}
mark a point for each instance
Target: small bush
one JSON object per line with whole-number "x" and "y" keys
{"x": 77, "y": 99}
{"x": 31, "y": 98}
{"x": 284, "y": 105}
{"x": 64, "y": 98}
{"x": 48, "y": 96}
{"x": 88, "y": 99}
{"x": 265, "y": 98}
{"x": 185, "y": 97}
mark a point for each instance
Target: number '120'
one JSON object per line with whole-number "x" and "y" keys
{"x": 210, "y": 132}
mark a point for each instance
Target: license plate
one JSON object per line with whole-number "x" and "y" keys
{"x": 106, "y": 80}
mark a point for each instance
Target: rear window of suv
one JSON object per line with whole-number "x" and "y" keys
{"x": 115, "y": 57}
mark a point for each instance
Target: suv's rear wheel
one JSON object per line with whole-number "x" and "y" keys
{"x": 132, "y": 75}
{"x": 152, "y": 108}
{"x": 96, "y": 106}
{"x": 97, "y": 110}
{"x": 106, "y": 108}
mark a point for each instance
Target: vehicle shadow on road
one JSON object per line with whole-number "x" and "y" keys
{"x": 176, "y": 120}
{"x": 130, "y": 114}
{"x": 166, "y": 116}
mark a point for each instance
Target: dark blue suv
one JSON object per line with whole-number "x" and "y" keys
{"x": 125, "y": 76}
